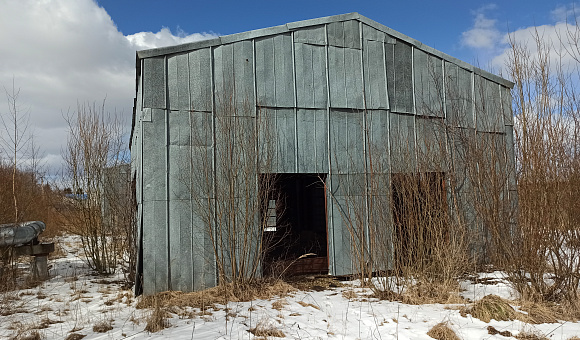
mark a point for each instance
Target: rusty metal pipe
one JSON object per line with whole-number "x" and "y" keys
{"x": 20, "y": 233}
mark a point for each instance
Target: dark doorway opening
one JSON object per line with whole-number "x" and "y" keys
{"x": 419, "y": 210}
{"x": 295, "y": 234}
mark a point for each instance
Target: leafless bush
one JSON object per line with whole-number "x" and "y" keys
{"x": 99, "y": 209}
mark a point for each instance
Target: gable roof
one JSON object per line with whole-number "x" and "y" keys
{"x": 293, "y": 26}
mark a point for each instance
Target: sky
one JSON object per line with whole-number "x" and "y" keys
{"x": 63, "y": 53}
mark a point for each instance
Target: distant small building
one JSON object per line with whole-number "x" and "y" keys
{"x": 349, "y": 108}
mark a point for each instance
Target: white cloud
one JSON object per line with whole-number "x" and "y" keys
{"x": 60, "y": 52}
{"x": 484, "y": 33}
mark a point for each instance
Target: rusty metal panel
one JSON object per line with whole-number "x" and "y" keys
{"x": 402, "y": 139}
{"x": 344, "y": 34}
{"x": 344, "y": 68}
{"x": 154, "y": 83}
{"x": 312, "y": 132}
{"x": 346, "y": 141}
{"x": 375, "y": 75}
{"x": 178, "y": 82}
{"x": 200, "y": 76}
{"x": 428, "y": 82}
{"x": 313, "y": 35}
{"x": 458, "y": 96}
{"x": 402, "y": 66}
{"x": 311, "y": 88}
{"x": 488, "y": 106}
{"x": 378, "y": 141}
{"x": 274, "y": 71}
{"x": 234, "y": 79}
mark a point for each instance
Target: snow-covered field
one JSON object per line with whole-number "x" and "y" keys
{"x": 73, "y": 301}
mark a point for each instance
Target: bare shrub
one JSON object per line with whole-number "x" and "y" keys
{"x": 98, "y": 210}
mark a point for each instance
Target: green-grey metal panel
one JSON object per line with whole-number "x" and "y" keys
{"x": 375, "y": 75}
{"x": 154, "y": 157}
{"x": 402, "y": 138}
{"x": 155, "y": 247}
{"x": 431, "y": 145}
{"x": 344, "y": 70}
{"x": 200, "y": 86}
{"x": 378, "y": 141}
{"x": 459, "y": 140}
{"x": 458, "y": 96}
{"x": 488, "y": 110}
{"x": 285, "y": 140}
{"x": 428, "y": 83}
{"x": 234, "y": 79}
{"x": 352, "y": 184}
{"x": 179, "y": 128}
{"x": 340, "y": 244}
{"x": 506, "y": 97}
{"x": 346, "y": 141}
{"x": 344, "y": 34}
{"x": 154, "y": 85}
{"x": 274, "y": 71}
{"x": 312, "y": 131}
{"x": 323, "y": 20}
{"x": 180, "y": 239}
{"x": 390, "y": 68}
{"x": 204, "y": 266}
{"x": 178, "y": 82}
{"x": 179, "y": 172}
{"x": 311, "y": 90}
{"x": 313, "y": 35}
{"x": 371, "y": 33}
{"x": 381, "y": 231}
{"x": 510, "y": 157}
{"x": 402, "y": 65}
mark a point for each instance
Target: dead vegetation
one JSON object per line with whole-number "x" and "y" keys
{"x": 265, "y": 329}
{"x": 442, "y": 331}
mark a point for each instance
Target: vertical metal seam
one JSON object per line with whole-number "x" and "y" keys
{"x": 214, "y": 170}
{"x": 365, "y": 141}
{"x": 385, "y": 76}
{"x": 296, "y": 106}
{"x": 191, "y": 258}
{"x": 330, "y": 221}
{"x": 167, "y": 226}
{"x": 414, "y": 110}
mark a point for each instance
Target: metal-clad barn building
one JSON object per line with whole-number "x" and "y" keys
{"x": 343, "y": 97}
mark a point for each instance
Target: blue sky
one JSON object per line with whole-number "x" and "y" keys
{"x": 63, "y": 52}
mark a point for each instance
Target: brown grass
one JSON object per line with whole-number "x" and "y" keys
{"x": 157, "y": 320}
{"x": 306, "y": 304}
{"x": 102, "y": 326}
{"x": 258, "y": 289}
{"x": 442, "y": 331}
{"x": 75, "y": 336}
{"x": 492, "y": 331}
{"x": 531, "y": 336}
{"x": 493, "y": 307}
{"x": 262, "y": 329}
{"x": 279, "y": 304}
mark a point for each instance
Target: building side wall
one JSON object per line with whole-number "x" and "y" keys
{"x": 342, "y": 98}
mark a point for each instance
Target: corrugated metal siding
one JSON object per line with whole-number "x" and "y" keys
{"x": 331, "y": 99}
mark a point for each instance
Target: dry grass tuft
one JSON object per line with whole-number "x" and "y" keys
{"x": 310, "y": 283}
{"x": 349, "y": 294}
{"x": 102, "y": 326}
{"x": 28, "y": 335}
{"x": 442, "y": 331}
{"x": 493, "y": 331}
{"x": 279, "y": 304}
{"x": 531, "y": 336}
{"x": 75, "y": 336}
{"x": 493, "y": 307}
{"x": 306, "y": 304}
{"x": 432, "y": 292}
{"x": 157, "y": 320}
{"x": 263, "y": 329}
{"x": 259, "y": 289}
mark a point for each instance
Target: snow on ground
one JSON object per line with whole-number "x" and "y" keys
{"x": 74, "y": 300}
